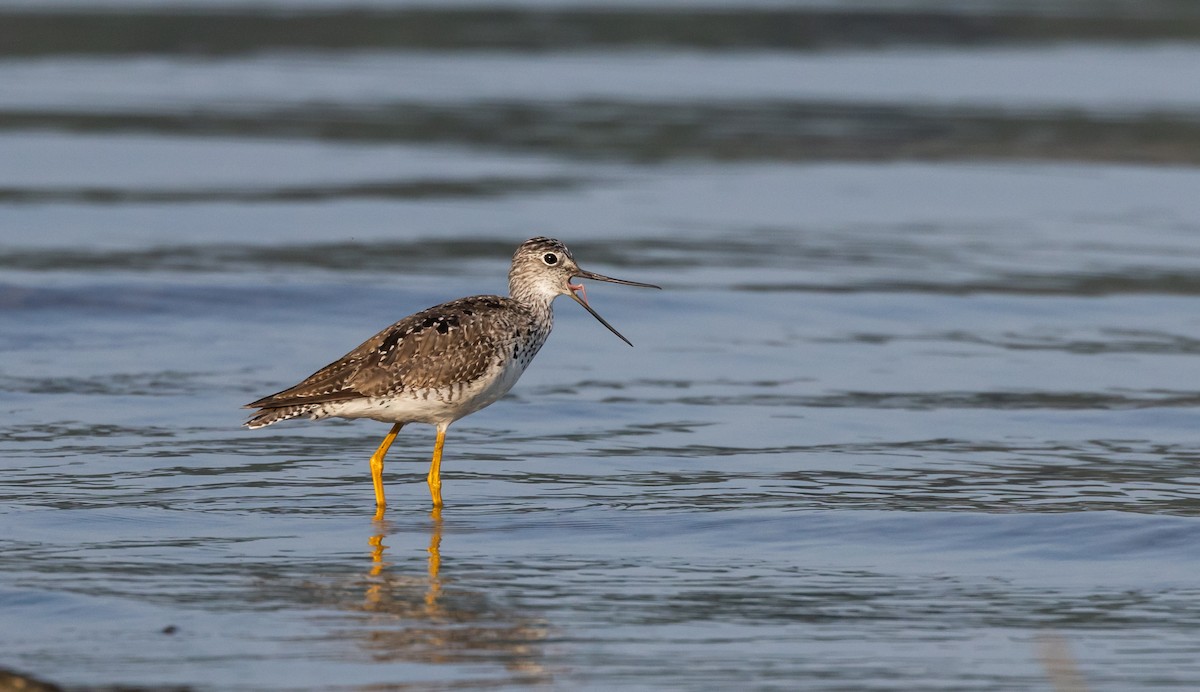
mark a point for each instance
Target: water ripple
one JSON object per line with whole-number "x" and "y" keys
{"x": 225, "y": 30}
{"x": 766, "y": 130}
{"x": 420, "y": 189}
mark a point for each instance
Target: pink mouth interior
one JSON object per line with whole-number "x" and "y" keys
{"x": 578, "y": 288}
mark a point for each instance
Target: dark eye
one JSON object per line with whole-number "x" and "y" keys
{"x": 550, "y": 258}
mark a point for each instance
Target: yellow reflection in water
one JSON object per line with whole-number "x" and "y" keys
{"x": 427, "y": 620}
{"x": 435, "y": 559}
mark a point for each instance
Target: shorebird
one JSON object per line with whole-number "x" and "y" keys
{"x": 444, "y": 363}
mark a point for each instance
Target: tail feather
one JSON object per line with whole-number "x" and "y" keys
{"x": 274, "y": 414}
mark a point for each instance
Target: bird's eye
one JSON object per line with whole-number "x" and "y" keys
{"x": 550, "y": 258}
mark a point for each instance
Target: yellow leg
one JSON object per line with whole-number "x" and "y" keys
{"x": 435, "y": 469}
{"x": 377, "y": 469}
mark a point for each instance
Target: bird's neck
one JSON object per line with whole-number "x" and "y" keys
{"x": 539, "y": 303}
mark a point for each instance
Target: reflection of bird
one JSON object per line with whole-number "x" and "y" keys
{"x": 445, "y": 362}
{"x": 412, "y": 618}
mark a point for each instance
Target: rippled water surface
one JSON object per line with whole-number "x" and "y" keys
{"x": 917, "y": 408}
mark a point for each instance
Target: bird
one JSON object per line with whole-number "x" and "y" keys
{"x": 441, "y": 364}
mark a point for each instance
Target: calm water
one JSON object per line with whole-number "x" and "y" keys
{"x": 916, "y": 410}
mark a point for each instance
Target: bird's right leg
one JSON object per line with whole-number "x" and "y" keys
{"x": 435, "y": 468}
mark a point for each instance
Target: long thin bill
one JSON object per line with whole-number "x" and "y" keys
{"x": 600, "y": 277}
{"x": 587, "y": 307}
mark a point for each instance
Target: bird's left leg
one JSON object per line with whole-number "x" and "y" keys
{"x": 377, "y": 468}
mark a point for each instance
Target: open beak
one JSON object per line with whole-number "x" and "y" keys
{"x": 581, "y": 296}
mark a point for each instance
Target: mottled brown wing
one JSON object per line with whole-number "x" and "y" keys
{"x": 453, "y": 342}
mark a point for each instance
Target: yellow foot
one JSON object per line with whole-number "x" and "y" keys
{"x": 435, "y": 492}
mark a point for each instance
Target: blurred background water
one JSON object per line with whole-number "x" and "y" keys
{"x": 916, "y": 410}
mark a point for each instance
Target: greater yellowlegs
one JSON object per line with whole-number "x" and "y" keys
{"x": 445, "y": 362}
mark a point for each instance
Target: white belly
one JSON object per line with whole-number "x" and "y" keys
{"x": 433, "y": 406}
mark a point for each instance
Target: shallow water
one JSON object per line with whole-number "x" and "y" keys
{"x": 913, "y": 411}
